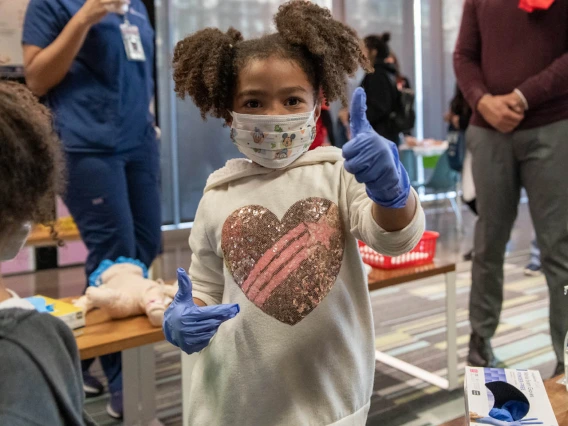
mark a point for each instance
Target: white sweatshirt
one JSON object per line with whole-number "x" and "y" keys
{"x": 283, "y": 245}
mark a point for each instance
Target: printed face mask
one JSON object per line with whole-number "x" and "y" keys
{"x": 11, "y": 244}
{"x": 273, "y": 141}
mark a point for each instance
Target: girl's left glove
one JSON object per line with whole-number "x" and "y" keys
{"x": 191, "y": 327}
{"x": 373, "y": 160}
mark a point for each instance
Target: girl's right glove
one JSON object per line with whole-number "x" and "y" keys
{"x": 191, "y": 327}
{"x": 374, "y": 160}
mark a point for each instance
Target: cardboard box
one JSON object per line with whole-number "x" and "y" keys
{"x": 66, "y": 312}
{"x": 488, "y": 388}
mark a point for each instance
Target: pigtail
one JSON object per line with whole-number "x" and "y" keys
{"x": 32, "y": 169}
{"x": 203, "y": 65}
{"x": 334, "y": 47}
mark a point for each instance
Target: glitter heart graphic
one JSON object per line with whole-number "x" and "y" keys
{"x": 286, "y": 268}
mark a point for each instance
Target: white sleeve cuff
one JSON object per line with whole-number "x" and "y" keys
{"x": 398, "y": 242}
{"x": 208, "y": 299}
{"x": 520, "y": 95}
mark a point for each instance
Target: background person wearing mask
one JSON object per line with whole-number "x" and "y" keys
{"x": 512, "y": 67}
{"x": 380, "y": 86}
{"x": 40, "y": 373}
{"x": 100, "y": 87}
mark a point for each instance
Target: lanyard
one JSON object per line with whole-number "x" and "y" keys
{"x": 125, "y": 16}
{"x": 132, "y": 40}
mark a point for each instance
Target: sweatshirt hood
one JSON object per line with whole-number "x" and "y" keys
{"x": 240, "y": 168}
{"x": 12, "y": 317}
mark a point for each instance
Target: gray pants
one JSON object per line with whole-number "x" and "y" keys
{"x": 537, "y": 160}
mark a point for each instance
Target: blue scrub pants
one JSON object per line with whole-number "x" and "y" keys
{"x": 115, "y": 200}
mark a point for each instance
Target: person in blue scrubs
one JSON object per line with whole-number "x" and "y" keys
{"x": 83, "y": 57}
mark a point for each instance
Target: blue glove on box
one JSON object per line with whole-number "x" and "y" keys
{"x": 40, "y": 304}
{"x": 494, "y": 422}
{"x": 510, "y": 414}
{"x": 374, "y": 160}
{"x": 191, "y": 327}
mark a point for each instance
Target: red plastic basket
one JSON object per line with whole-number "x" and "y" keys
{"x": 422, "y": 254}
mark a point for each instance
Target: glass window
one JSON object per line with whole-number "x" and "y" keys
{"x": 431, "y": 66}
{"x": 452, "y": 20}
{"x": 377, "y": 17}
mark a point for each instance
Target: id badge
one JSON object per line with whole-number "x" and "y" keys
{"x": 132, "y": 42}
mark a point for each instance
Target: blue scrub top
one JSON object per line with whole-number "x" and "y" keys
{"x": 102, "y": 104}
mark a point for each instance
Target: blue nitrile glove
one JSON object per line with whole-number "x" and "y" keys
{"x": 494, "y": 422}
{"x": 510, "y": 411}
{"x": 374, "y": 160}
{"x": 191, "y": 327}
{"x": 40, "y": 304}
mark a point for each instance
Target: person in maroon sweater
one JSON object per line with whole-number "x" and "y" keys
{"x": 512, "y": 66}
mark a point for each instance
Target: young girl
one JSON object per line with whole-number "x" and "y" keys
{"x": 275, "y": 239}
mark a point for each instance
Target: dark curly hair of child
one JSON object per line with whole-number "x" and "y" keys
{"x": 206, "y": 64}
{"x": 31, "y": 166}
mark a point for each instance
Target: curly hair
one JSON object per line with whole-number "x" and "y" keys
{"x": 31, "y": 166}
{"x": 206, "y": 64}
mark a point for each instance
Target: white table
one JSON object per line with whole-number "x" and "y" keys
{"x": 421, "y": 151}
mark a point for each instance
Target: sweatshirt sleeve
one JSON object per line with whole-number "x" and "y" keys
{"x": 206, "y": 270}
{"x": 548, "y": 84}
{"x": 23, "y": 382}
{"x": 467, "y": 57}
{"x": 44, "y": 21}
{"x": 40, "y": 372}
{"x": 364, "y": 227}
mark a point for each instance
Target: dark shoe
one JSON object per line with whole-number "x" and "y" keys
{"x": 558, "y": 370}
{"x": 114, "y": 407}
{"x": 468, "y": 256}
{"x": 481, "y": 354}
{"x": 533, "y": 270}
{"x": 91, "y": 386}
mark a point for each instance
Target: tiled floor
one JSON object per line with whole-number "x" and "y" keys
{"x": 430, "y": 411}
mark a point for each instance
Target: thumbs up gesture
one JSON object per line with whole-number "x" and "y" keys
{"x": 188, "y": 326}
{"x": 373, "y": 160}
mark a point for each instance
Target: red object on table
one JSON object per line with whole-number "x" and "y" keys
{"x": 422, "y": 254}
{"x": 532, "y": 5}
